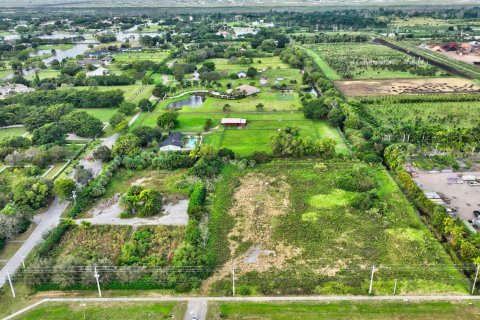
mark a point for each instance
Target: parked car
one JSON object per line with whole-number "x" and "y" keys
{"x": 474, "y": 183}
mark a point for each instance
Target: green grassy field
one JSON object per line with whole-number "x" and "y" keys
{"x": 132, "y": 93}
{"x": 62, "y": 46}
{"x": 111, "y": 310}
{"x": 12, "y": 132}
{"x": 157, "y": 56}
{"x": 44, "y": 74}
{"x": 394, "y": 310}
{"x": 323, "y": 242}
{"x": 258, "y": 63}
{"x": 326, "y": 69}
{"x": 445, "y": 114}
{"x": 103, "y": 114}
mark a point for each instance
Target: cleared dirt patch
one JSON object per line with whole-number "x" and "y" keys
{"x": 406, "y": 86}
{"x": 258, "y": 203}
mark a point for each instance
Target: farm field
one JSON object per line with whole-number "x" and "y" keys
{"x": 12, "y": 132}
{"x": 406, "y": 86}
{"x": 110, "y": 310}
{"x": 445, "y": 114}
{"x": 303, "y": 231}
{"x": 391, "y": 310}
{"x": 368, "y": 61}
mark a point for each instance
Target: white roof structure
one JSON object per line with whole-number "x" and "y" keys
{"x": 97, "y": 72}
{"x": 234, "y": 121}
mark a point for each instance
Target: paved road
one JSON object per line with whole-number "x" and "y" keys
{"x": 196, "y": 309}
{"x": 192, "y": 300}
{"x": 51, "y": 217}
{"x": 44, "y": 221}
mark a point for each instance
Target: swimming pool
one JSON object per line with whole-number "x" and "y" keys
{"x": 191, "y": 143}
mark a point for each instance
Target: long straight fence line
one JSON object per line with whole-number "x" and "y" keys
{"x": 363, "y": 279}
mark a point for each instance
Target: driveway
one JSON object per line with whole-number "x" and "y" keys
{"x": 51, "y": 217}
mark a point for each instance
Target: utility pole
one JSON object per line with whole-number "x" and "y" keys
{"x": 11, "y": 285}
{"x": 233, "y": 278}
{"x": 475, "y": 280}
{"x": 96, "y": 275}
{"x": 395, "y": 287}
{"x": 371, "y": 280}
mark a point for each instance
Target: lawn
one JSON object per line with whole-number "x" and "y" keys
{"x": 445, "y": 114}
{"x": 395, "y": 310}
{"x": 62, "y": 46}
{"x": 44, "y": 74}
{"x": 258, "y": 63}
{"x": 132, "y": 93}
{"x": 157, "y": 56}
{"x": 102, "y": 114}
{"x": 105, "y": 310}
{"x": 314, "y": 237}
{"x": 12, "y": 132}
{"x": 326, "y": 69}
{"x": 54, "y": 171}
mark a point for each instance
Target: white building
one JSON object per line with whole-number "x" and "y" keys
{"x": 10, "y": 89}
{"x": 97, "y": 72}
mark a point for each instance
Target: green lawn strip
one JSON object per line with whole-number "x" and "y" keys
{"x": 265, "y": 63}
{"x": 102, "y": 114}
{"x": 44, "y": 74}
{"x": 9, "y": 249}
{"x": 326, "y": 69}
{"x": 426, "y": 310}
{"x": 4, "y": 73}
{"x": 101, "y": 310}
{"x": 18, "y": 131}
{"x": 325, "y": 130}
{"x": 61, "y": 46}
{"x": 56, "y": 168}
{"x": 157, "y": 56}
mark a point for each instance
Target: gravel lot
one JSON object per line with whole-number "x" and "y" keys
{"x": 462, "y": 197}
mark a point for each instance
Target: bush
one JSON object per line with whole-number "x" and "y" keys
{"x": 226, "y": 153}
{"x": 197, "y": 198}
{"x": 359, "y": 179}
{"x": 260, "y": 157}
{"x": 54, "y": 237}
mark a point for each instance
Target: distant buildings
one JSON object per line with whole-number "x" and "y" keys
{"x": 11, "y": 89}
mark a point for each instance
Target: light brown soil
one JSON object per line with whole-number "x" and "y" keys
{"x": 406, "y": 86}
{"x": 258, "y": 203}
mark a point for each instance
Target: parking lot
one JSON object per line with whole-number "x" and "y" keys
{"x": 462, "y": 197}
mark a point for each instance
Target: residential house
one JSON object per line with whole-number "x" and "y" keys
{"x": 10, "y": 89}
{"x": 174, "y": 142}
{"x": 93, "y": 62}
{"x": 249, "y": 90}
{"x": 263, "y": 81}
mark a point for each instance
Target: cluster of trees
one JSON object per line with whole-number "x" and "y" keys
{"x": 330, "y": 37}
{"x": 106, "y": 37}
{"x": 289, "y": 143}
{"x": 141, "y": 202}
{"x": 77, "y": 98}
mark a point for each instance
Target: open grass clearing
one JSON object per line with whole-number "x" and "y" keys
{"x": 395, "y": 310}
{"x": 132, "y": 93}
{"x": 406, "y": 86}
{"x": 17, "y": 131}
{"x": 102, "y": 114}
{"x": 106, "y": 310}
{"x": 56, "y": 168}
{"x": 9, "y": 250}
{"x": 128, "y": 57}
{"x": 258, "y": 63}
{"x": 313, "y": 239}
{"x": 44, "y": 74}
{"x": 60, "y": 46}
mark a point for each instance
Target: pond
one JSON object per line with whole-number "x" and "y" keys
{"x": 194, "y": 101}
